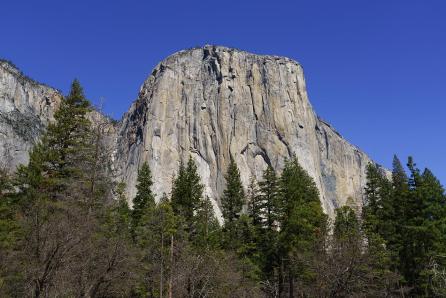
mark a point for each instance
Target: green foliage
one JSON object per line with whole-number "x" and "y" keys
{"x": 233, "y": 195}
{"x": 301, "y": 214}
{"x": 346, "y": 224}
{"x": 187, "y": 191}
{"x": 206, "y": 231}
{"x": 254, "y": 203}
{"x": 61, "y": 235}
{"x": 268, "y": 199}
{"x": 157, "y": 228}
{"x": 144, "y": 200}
{"x": 408, "y": 215}
{"x": 68, "y": 140}
{"x": 232, "y": 204}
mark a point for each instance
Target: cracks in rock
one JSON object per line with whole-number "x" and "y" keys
{"x": 196, "y": 151}
{"x": 244, "y": 149}
{"x": 214, "y": 63}
{"x": 326, "y": 142}
{"x": 252, "y": 103}
{"x": 234, "y": 118}
{"x": 265, "y": 156}
{"x": 282, "y": 140}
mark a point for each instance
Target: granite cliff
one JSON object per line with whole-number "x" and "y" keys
{"x": 208, "y": 103}
{"x": 212, "y": 102}
{"x": 26, "y": 108}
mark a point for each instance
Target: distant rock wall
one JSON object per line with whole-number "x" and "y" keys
{"x": 26, "y": 108}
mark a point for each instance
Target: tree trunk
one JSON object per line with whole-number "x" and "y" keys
{"x": 171, "y": 266}
{"x": 281, "y": 277}
{"x": 162, "y": 265}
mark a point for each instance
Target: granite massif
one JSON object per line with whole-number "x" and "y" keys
{"x": 208, "y": 103}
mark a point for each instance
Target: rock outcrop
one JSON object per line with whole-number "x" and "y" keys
{"x": 208, "y": 103}
{"x": 213, "y": 102}
{"x": 26, "y": 108}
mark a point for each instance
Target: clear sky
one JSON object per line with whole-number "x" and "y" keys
{"x": 376, "y": 70}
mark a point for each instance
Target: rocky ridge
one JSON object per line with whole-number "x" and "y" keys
{"x": 26, "y": 108}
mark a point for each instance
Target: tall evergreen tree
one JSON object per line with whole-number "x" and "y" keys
{"x": 154, "y": 235}
{"x": 268, "y": 196}
{"x": 52, "y": 192}
{"x": 267, "y": 231}
{"x": 378, "y": 210}
{"x": 399, "y": 176}
{"x": 233, "y": 195}
{"x": 346, "y": 224}
{"x": 68, "y": 139}
{"x": 206, "y": 232}
{"x": 187, "y": 191}
{"x": 232, "y": 204}
{"x": 301, "y": 221}
{"x": 144, "y": 199}
{"x": 398, "y": 217}
{"x": 424, "y": 230}
{"x": 60, "y": 162}
{"x": 407, "y": 215}
{"x": 254, "y": 203}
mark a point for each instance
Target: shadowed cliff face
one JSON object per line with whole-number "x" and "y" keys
{"x": 212, "y": 102}
{"x": 26, "y": 108}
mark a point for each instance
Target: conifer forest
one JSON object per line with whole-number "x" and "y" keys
{"x": 67, "y": 228}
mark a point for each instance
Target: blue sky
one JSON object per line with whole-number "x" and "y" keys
{"x": 375, "y": 69}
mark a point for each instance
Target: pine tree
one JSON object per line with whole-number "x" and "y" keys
{"x": 59, "y": 164}
{"x": 154, "y": 236}
{"x": 268, "y": 230}
{"x": 268, "y": 196}
{"x": 346, "y": 224}
{"x": 53, "y": 195}
{"x": 300, "y": 209}
{"x": 232, "y": 204}
{"x": 206, "y": 231}
{"x": 398, "y": 217}
{"x": 399, "y": 176}
{"x": 378, "y": 210}
{"x": 233, "y": 195}
{"x": 10, "y": 234}
{"x": 424, "y": 229}
{"x": 144, "y": 199}
{"x": 68, "y": 139}
{"x": 121, "y": 210}
{"x": 254, "y": 203}
{"x": 350, "y": 266}
{"x": 5, "y": 184}
{"x": 187, "y": 191}
{"x": 301, "y": 222}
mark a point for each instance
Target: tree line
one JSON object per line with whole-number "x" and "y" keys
{"x": 66, "y": 229}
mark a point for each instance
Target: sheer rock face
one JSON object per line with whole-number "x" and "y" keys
{"x": 207, "y": 103}
{"x": 211, "y": 102}
{"x": 26, "y": 108}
